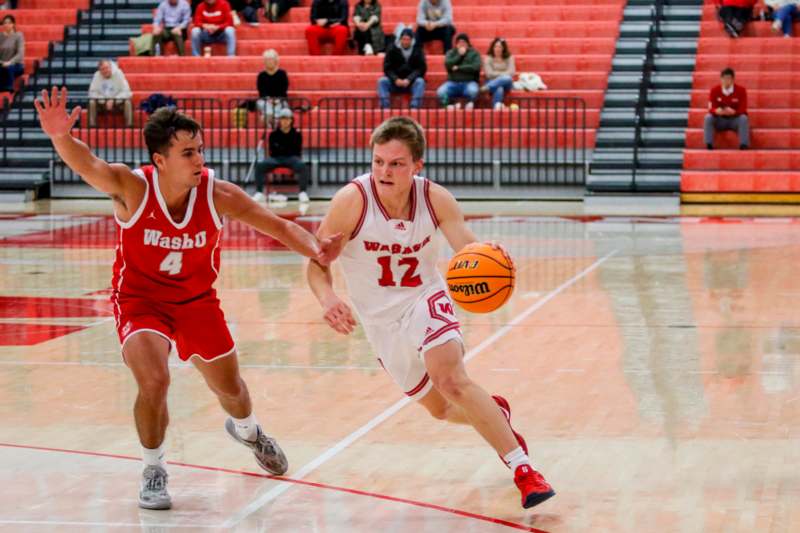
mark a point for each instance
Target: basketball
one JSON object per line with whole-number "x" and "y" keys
{"x": 480, "y": 278}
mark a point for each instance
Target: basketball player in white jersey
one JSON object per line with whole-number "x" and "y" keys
{"x": 392, "y": 217}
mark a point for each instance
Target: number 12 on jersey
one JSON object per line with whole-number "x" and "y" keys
{"x": 410, "y": 277}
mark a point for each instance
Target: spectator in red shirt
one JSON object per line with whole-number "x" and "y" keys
{"x": 734, "y": 14}
{"x": 328, "y": 23}
{"x": 727, "y": 110}
{"x": 213, "y": 23}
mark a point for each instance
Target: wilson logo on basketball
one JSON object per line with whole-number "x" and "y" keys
{"x": 466, "y": 265}
{"x": 469, "y": 289}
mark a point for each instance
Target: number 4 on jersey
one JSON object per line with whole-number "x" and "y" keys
{"x": 172, "y": 264}
{"x": 409, "y": 279}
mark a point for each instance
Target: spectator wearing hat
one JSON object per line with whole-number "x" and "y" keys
{"x": 404, "y": 68}
{"x": 435, "y": 22}
{"x": 328, "y": 23}
{"x": 463, "y": 64}
{"x": 285, "y": 151}
{"x": 727, "y": 110}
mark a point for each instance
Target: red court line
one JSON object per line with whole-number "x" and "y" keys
{"x": 424, "y": 505}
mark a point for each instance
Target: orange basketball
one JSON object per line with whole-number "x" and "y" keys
{"x": 480, "y": 278}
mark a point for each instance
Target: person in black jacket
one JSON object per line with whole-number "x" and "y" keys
{"x": 328, "y": 23}
{"x": 273, "y": 86}
{"x": 404, "y": 68}
{"x": 285, "y": 150}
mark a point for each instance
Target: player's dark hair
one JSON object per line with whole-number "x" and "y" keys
{"x": 728, "y": 72}
{"x": 403, "y": 129}
{"x": 163, "y": 126}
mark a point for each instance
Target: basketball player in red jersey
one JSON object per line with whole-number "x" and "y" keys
{"x": 392, "y": 217}
{"x": 167, "y": 258}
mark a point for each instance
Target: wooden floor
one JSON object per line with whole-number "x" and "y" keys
{"x": 652, "y": 364}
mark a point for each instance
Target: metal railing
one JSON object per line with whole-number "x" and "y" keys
{"x": 656, "y": 14}
{"x": 536, "y": 141}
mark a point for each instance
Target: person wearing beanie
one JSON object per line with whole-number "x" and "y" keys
{"x": 435, "y": 22}
{"x": 404, "y": 70}
{"x": 463, "y": 64}
{"x": 285, "y": 151}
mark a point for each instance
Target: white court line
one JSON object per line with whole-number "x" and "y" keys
{"x": 337, "y": 448}
{"x": 143, "y": 525}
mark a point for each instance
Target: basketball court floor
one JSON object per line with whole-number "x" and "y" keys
{"x": 652, "y": 364}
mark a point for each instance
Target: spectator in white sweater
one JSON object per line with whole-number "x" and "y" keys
{"x": 109, "y": 92}
{"x": 498, "y": 67}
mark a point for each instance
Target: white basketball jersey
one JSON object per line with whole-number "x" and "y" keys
{"x": 389, "y": 263}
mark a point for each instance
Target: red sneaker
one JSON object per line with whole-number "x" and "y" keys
{"x": 532, "y": 485}
{"x": 503, "y": 403}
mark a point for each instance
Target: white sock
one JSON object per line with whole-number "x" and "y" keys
{"x": 246, "y": 428}
{"x": 516, "y": 457}
{"x": 154, "y": 456}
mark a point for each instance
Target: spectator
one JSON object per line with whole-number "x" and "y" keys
{"x": 328, "y": 23}
{"x": 285, "y": 151}
{"x": 498, "y": 66}
{"x": 247, "y": 10}
{"x": 278, "y": 8}
{"x": 727, "y": 110}
{"x": 213, "y": 23}
{"x": 369, "y": 32}
{"x": 110, "y": 92}
{"x": 404, "y": 68}
{"x": 784, "y": 14}
{"x": 463, "y": 64}
{"x": 435, "y": 22}
{"x": 735, "y": 14}
{"x": 12, "y": 53}
{"x": 273, "y": 86}
{"x": 170, "y": 23}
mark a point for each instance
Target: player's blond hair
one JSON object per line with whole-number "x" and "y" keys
{"x": 403, "y": 129}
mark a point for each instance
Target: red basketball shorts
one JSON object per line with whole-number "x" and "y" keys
{"x": 197, "y": 328}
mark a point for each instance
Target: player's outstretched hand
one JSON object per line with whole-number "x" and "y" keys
{"x": 497, "y": 246}
{"x": 53, "y": 115}
{"x": 329, "y": 249}
{"x": 338, "y": 316}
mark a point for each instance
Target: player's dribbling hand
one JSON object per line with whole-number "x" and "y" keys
{"x": 497, "y": 246}
{"x": 329, "y": 249}
{"x": 338, "y": 316}
{"x": 53, "y": 115}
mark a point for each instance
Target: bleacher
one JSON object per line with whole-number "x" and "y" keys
{"x": 767, "y": 65}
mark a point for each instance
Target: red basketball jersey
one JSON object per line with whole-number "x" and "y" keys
{"x": 163, "y": 260}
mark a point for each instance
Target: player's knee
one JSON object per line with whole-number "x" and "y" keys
{"x": 439, "y": 412}
{"x": 154, "y": 387}
{"x": 451, "y": 386}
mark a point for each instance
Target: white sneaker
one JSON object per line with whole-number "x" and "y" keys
{"x": 368, "y": 51}
{"x": 259, "y": 196}
{"x": 499, "y": 105}
{"x": 777, "y": 25}
{"x": 303, "y": 197}
{"x": 276, "y": 198}
{"x": 469, "y": 106}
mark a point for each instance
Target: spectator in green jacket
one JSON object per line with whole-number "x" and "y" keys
{"x": 463, "y": 64}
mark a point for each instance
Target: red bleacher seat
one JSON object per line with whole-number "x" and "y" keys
{"x": 767, "y": 65}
